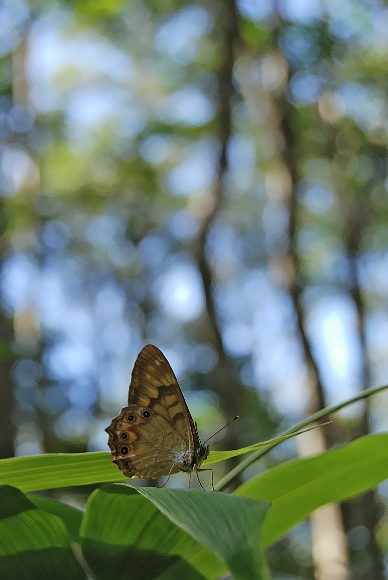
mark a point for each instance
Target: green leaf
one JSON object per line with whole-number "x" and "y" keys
{"x": 298, "y": 487}
{"x": 53, "y": 470}
{"x": 124, "y": 536}
{"x": 298, "y": 428}
{"x": 33, "y": 544}
{"x": 217, "y": 456}
{"x": 71, "y": 516}
{"x": 227, "y": 525}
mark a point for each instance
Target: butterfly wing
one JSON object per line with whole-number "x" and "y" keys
{"x": 151, "y": 444}
{"x": 142, "y": 447}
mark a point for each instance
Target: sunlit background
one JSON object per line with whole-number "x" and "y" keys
{"x": 210, "y": 178}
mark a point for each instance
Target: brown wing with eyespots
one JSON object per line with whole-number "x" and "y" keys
{"x": 141, "y": 445}
{"x": 156, "y": 425}
{"x": 154, "y": 383}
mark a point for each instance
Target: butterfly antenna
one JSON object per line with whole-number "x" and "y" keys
{"x": 216, "y": 433}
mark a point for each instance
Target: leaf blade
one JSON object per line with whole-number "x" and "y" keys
{"x": 299, "y": 486}
{"x": 125, "y": 536}
{"x": 33, "y": 543}
{"x": 225, "y": 525}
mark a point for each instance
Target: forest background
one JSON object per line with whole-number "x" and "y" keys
{"x": 210, "y": 178}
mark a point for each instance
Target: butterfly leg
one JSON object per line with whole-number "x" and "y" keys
{"x": 212, "y": 478}
{"x": 189, "y": 482}
{"x": 199, "y": 481}
{"x": 168, "y": 478}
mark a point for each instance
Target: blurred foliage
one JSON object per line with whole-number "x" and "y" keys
{"x": 145, "y": 145}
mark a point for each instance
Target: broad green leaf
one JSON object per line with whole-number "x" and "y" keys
{"x": 53, "y": 470}
{"x": 227, "y": 525}
{"x": 71, "y": 516}
{"x": 124, "y": 536}
{"x": 33, "y": 543}
{"x": 298, "y": 487}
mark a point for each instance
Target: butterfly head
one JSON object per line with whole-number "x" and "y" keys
{"x": 202, "y": 453}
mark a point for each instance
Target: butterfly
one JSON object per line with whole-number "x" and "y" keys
{"x": 155, "y": 434}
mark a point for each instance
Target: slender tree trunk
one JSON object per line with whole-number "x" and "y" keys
{"x": 225, "y": 379}
{"x": 364, "y": 510}
{"x": 7, "y": 355}
{"x": 329, "y": 547}
{"x": 7, "y": 404}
